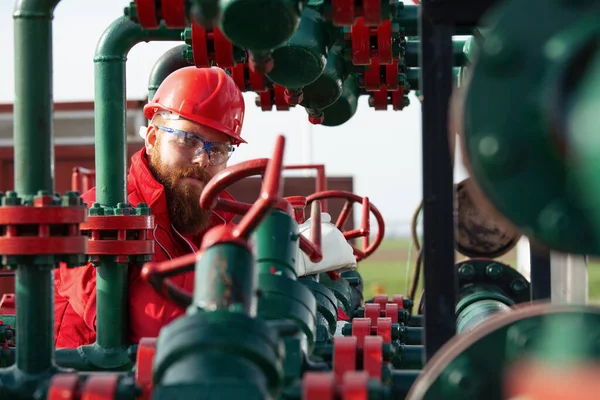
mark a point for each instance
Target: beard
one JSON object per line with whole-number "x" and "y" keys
{"x": 183, "y": 198}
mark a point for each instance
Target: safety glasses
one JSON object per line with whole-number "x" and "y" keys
{"x": 217, "y": 153}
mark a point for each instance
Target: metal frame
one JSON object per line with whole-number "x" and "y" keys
{"x": 439, "y": 20}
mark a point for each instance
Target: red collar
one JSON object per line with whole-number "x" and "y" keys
{"x": 141, "y": 180}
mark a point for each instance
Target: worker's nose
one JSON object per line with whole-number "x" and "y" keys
{"x": 201, "y": 159}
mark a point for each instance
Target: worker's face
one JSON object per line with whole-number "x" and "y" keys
{"x": 178, "y": 162}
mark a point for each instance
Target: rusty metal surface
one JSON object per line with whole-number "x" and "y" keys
{"x": 479, "y": 232}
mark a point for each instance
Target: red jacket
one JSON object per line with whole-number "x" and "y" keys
{"x": 75, "y": 289}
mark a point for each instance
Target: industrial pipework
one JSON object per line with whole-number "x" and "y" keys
{"x": 254, "y": 326}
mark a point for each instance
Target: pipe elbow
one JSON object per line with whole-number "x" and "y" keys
{"x": 117, "y": 39}
{"x": 169, "y": 62}
{"x": 34, "y": 9}
{"x": 122, "y": 34}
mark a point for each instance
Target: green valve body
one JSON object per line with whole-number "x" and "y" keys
{"x": 345, "y": 106}
{"x": 282, "y": 296}
{"x": 276, "y": 245}
{"x": 225, "y": 279}
{"x": 328, "y": 87}
{"x": 475, "y": 364}
{"x": 301, "y": 60}
{"x": 343, "y": 293}
{"x": 220, "y": 348}
{"x": 259, "y": 25}
{"x": 218, "y": 355}
{"x": 326, "y": 309}
{"x": 529, "y": 152}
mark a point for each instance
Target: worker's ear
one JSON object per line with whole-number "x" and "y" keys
{"x": 150, "y": 140}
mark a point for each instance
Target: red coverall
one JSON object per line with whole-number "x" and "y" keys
{"x": 75, "y": 289}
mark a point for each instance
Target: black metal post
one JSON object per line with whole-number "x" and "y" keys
{"x": 540, "y": 273}
{"x": 436, "y": 62}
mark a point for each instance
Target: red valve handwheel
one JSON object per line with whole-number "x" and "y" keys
{"x": 220, "y": 182}
{"x": 158, "y": 274}
{"x": 364, "y": 230}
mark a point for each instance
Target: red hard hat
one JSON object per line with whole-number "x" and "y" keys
{"x": 208, "y": 96}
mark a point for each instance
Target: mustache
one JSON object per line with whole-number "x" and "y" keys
{"x": 195, "y": 173}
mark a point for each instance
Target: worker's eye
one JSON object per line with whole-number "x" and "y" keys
{"x": 220, "y": 150}
{"x": 189, "y": 140}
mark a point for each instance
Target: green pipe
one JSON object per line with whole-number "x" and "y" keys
{"x": 111, "y": 152}
{"x": 34, "y": 289}
{"x": 111, "y": 304}
{"x": 110, "y": 104}
{"x": 110, "y": 350}
{"x": 169, "y": 62}
{"x": 33, "y": 171}
{"x": 582, "y": 131}
{"x": 33, "y": 125}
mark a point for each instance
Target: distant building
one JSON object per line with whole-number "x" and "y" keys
{"x": 73, "y": 138}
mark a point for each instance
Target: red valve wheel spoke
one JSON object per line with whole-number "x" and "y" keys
{"x": 365, "y": 225}
{"x": 364, "y": 230}
{"x": 226, "y": 178}
{"x": 344, "y": 214}
{"x": 158, "y": 274}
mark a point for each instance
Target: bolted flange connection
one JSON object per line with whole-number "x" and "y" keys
{"x": 42, "y": 230}
{"x": 121, "y": 231}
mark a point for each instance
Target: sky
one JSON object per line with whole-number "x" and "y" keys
{"x": 381, "y": 150}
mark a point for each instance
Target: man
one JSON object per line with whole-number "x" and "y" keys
{"x": 196, "y": 117}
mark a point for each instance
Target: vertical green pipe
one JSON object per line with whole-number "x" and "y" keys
{"x": 35, "y": 320}
{"x": 111, "y": 151}
{"x": 34, "y": 167}
{"x": 111, "y": 304}
{"x": 33, "y": 128}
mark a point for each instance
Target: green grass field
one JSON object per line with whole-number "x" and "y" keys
{"x": 385, "y": 270}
